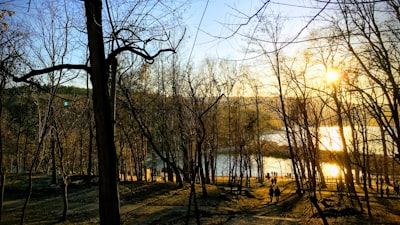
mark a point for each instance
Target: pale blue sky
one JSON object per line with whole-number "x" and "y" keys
{"x": 222, "y": 15}
{"x": 221, "y": 18}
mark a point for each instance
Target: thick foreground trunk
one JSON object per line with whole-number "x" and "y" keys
{"x": 108, "y": 186}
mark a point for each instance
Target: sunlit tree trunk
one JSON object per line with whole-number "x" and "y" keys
{"x": 347, "y": 161}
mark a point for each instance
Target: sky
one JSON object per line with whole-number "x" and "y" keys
{"x": 210, "y": 22}
{"x": 218, "y": 15}
{"x": 221, "y": 17}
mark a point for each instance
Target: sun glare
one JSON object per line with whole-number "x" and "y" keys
{"x": 331, "y": 170}
{"x": 332, "y": 76}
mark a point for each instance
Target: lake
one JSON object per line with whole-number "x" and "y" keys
{"x": 330, "y": 139}
{"x": 272, "y": 164}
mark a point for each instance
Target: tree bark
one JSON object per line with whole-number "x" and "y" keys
{"x": 314, "y": 201}
{"x": 108, "y": 186}
{"x": 2, "y": 170}
{"x": 2, "y": 187}
{"x": 385, "y": 155}
{"x": 64, "y": 189}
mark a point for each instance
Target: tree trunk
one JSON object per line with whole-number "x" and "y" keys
{"x": 90, "y": 144}
{"x": 2, "y": 187}
{"x": 207, "y": 168}
{"x": 90, "y": 153}
{"x": 385, "y": 155}
{"x": 259, "y": 154}
{"x": 365, "y": 188}
{"x": 192, "y": 195}
{"x": 43, "y": 132}
{"x": 2, "y": 169}
{"x": 347, "y": 161}
{"x": 18, "y": 151}
{"x": 201, "y": 169}
{"x": 64, "y": 189}
{"x": 108, "y": 186}
{"x": 286, "y": 124}
{"x": 53, "y": 160}
{"x": 28, "y": 197}
{"x": 64, "y": 184}
{"x": 314, "y": 201}
{"x": 368, "y": 169}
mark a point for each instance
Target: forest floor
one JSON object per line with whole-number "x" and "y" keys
{"x": 165, "y": 203}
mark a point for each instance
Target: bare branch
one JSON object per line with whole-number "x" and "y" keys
{"x": 212, "y": 105}
{"x": 249, "y": 19}
{"x": 51, "y": 69}
{"x": 142, "y": 52}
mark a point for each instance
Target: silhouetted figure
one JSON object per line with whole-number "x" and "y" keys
{"x": 277, "y": 193}
{"x": 396, "y": 187}
{"x": 387, "y": 191}
{"x": 271, "y": 193}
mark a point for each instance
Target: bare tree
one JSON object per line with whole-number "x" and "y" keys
{"x": 98, "y": 71}
{"x": 274, "y": 59}
{"x": 9, "y": 57}
{"x": 145, "y": 111}
{"x": 229, "y": 75}
{"x": 374, "y": 25}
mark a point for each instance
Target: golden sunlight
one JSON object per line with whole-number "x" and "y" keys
{"x": 330, "y": 139}
{"x": 331, "y": 170}
{"x": 332, "y": 76}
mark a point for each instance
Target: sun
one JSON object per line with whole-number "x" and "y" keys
{"x": 332, "y": 76}
{"x": 331, "y": 170}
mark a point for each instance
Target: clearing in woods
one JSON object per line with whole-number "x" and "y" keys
{"x": 164, "y": 203}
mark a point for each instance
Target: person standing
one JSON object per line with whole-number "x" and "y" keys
{"x": 277, "y": 193}
{"x": 271, "y": 193}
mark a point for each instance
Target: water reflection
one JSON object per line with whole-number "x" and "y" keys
{"x": 329, "y": 138}
{"x": 271, "y": 164}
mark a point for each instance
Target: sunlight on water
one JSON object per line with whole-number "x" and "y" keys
{"x": 282, "y": 167}
{"x": 330, "y": 139}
